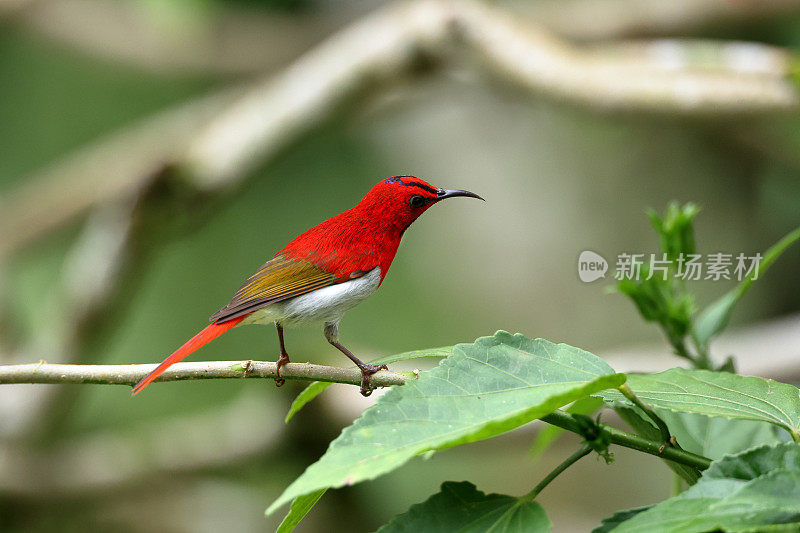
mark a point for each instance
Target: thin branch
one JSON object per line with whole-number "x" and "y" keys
{"x": 660, "y": 424}
{"x": 131, "y": 374}
{"x": 572, "y": 459}
{"x": 634, "y": 442}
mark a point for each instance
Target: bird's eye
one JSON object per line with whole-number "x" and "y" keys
{"x": 416, "y": 201}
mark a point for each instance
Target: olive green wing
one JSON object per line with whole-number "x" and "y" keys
{"x": 278, "y": 279}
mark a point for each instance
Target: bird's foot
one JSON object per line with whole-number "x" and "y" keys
{"x": 278, "y": 364}
{"x": 366, "y": 372}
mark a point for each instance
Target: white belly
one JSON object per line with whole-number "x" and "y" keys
{"x": 326, "y": 305}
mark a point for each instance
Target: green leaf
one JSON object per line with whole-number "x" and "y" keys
{"x": 717, "y": 437}
{"x": 441, "y": 351}
{"x": 315, "y": 388}
{"x": 642, "y": 426}
{"x": 718, "y": 394}
{"x": 608, "y": 524}
{"x": 745, "y": 492}
{"x": 298, "y": 510}
{"x": 661, "y": 301}
{"x": 662, "y": 298}
{"x": 716, "y": 316}
{"x": 461, "y": 507}
{"x": 675, "y": 231}
{"x": 481, "y": 390}
{"x": 549, "y": 433}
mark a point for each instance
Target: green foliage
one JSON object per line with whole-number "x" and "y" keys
{"x": 662, "y": 298}
{"x": 675, "y": 231}
{"x": 299, "y": 509}
{"x": 461, "y": 507}
{"x": 483, "y": 389}
{"x": 498, "y": 383}
{"x": 619, "y": 517}
{"x": 716, "y": 316}
{"x": 642, "y": 426}
{"x": 314, "y": 389}
{"x": 548, "y": 434}
{"x": 594, "y": 436}
{"x": 665, "y": 300}
{"x": 718, "y": 394}
{"x": 717, "y": 437}
{"x": 744, "y": 492}
{"x": 661, "y": 301}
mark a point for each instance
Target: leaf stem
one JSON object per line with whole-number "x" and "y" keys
{"x": 701, "y": 361}
{"x": 583, "y": 452}
{"x": 660, "y": 424}
{"x": 634, "y": 442}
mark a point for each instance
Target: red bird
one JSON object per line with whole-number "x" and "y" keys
{"x": 324, "y": 272}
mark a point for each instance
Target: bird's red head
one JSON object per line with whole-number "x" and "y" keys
{"x": 402, "y": 199}
{"x": 368, "y": 234}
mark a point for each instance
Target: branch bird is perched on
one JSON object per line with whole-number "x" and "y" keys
{"x": 324, "y": 272}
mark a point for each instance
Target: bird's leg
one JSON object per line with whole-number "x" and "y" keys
{"x": 332, "y": 334}
{"x": 283, "y": 359}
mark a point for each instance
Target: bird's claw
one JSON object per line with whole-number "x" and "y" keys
{"x": 366, "y": 372}
{"x": 278, "y": 364}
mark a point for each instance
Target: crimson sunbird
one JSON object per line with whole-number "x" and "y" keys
{"x": 324, "y": 272}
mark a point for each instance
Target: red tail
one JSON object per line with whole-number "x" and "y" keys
{"x": 211, "y": 332}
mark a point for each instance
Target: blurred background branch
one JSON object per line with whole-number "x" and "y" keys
{"x": 235, "y": 39}
{"x": 588, "y": 20}
{"x": 118, "y": 459}
{"x": 214, "y": 142}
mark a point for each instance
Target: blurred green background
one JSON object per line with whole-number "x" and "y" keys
{"x": 558, "y": 179}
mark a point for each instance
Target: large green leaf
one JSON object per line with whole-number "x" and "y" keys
{"x": 315, "y": 388}
{"x": 749, "y": 491}
{"x": 461, "y": 507}
{"x": 718, "y": 394}
{"x": 303, "y": 504}
{"x": 483, "y": 389}
{"x": 716, "y": 316}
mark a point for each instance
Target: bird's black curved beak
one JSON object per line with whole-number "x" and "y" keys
{"x": 441, "y": 194}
